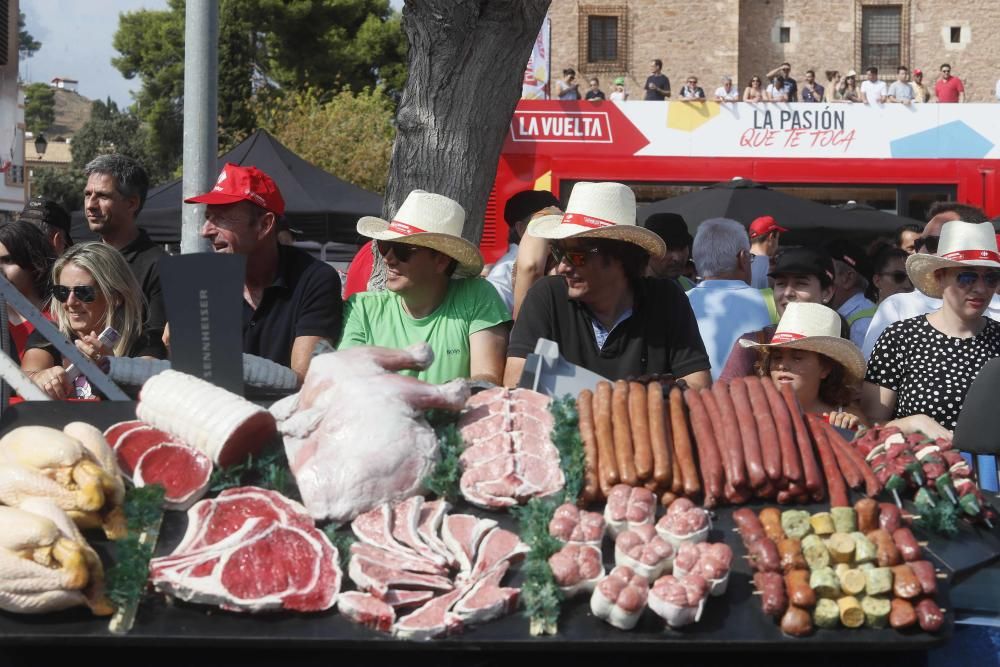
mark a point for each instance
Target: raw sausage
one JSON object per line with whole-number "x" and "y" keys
{"x": 770, "y": 450}
{"x": 719, "y": 440}
{"x": 659, "y": 436}
{"x": 929, "y": 615}
{"x": 848, "y": 466}
{"x": 866, "y": 511}
{"x": 796, "y": 622}
{"x": 889, "y": 517}
{"x": 749, "y": 526}
{"x": 791, "y": 467}
{"x": 585, "y": 414}
{"x": 902, "y": 615}
{"x": 887, "y": 554}
{"x": 907, "y": 544}
{"x": 708, "y": 453}
{"x": 872, "y": 485}
{"x": 748, "y": 432}
{"x": 764, "y": 555}
{"x": 800, "y": 593}
{"x": 810, "y": 470}
{"x": 731, "y": 435}
{"x": 682, "y": 444}
{"x": 624, "y": 456}
{"x": 772, "y": 587}
{"x": 923, "y": 570}
{"x": 905, "y": 583}
{"x": 638, "y": 413}
{"x": 834, "y": 480}
{"x": 604, "y": 431}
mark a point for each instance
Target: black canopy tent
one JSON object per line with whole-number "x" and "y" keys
{"x": 319, "y": 204}
{"x": 744, "y": 200}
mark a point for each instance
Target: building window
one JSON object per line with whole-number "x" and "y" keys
{"x": 785, "y": 35}
{"x": 956, "y": 35}
{"x": 881, "y": 37}
{"x": 603, "y": 39}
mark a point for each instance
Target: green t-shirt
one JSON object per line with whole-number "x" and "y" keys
{"x": 471, "y": 305}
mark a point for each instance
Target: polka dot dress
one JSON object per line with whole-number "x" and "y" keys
{"x": 929, "y": 371}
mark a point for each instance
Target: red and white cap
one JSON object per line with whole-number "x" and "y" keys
{"x": 763, "y": 226}
{"x": 236, "y": 184}
{"x": 961, "y": 244}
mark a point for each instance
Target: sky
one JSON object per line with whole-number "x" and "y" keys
{"x": 76, "y": 44}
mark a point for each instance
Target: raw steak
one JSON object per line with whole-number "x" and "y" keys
{"x": 405, "y": 529}
{"x": 375, "y": 528}
{"x": 377, "y": 579}
{"x": 130, "y": 445}
{"x": 355, "y": 435}
{"x": 366, "y": 610}
{"x": 429, "y": 528}
{"x": 183, "y": 471}
{"x": 487, "y": 600}
{"x": 396, "y": 560}
{"x": 116, "y": 431}
{"x": 462, "y": 534}
{"x": 499, "y": 548}
{"x": 431, "y": 620}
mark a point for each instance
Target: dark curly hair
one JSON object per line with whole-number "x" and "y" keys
{"x": 834, "y": 389}
{"x": 29, "y": 248}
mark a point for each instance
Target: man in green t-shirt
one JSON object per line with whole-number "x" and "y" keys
{"x": 434, "y": 295}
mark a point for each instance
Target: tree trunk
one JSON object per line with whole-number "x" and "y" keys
{"x": 466, "y": 65}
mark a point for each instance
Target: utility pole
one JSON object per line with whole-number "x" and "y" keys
{"x": 201, "y": 141}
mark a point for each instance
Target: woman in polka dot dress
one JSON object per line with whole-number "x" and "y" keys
{"x": 922, "y": 367}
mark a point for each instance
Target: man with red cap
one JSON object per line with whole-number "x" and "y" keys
{"x": 764, "y": 238}
{"x": 291, "y": 301}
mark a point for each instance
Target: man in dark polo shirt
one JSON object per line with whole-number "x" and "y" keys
{"x": 114, "y": 196}
{"x": 604, "y": 314}
{"x": 291, "y": 301}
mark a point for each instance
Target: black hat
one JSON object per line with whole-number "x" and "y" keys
{"x": 852, "y": 255}
{"x": 526, "y": 203}
{"x": 805, "y": 261}
{"x": 671, "y": 227}
{"x": 48, "y": 211}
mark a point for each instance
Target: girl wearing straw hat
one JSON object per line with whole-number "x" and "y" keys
{"x": 808, "y": 353}
{"x": 922, "y": 367}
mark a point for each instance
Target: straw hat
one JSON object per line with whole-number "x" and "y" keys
{"x": 430, "y": 221}
{"x": 816, "y": 328}
{"x": 962, "y": 244}
{"x": 602, "y": 211}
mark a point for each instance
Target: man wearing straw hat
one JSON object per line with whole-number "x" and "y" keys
{"x": 464, "y": 320}
{"x": 601, "y": 310}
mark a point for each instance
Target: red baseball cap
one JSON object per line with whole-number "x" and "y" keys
{"x": 764, "y": 225}
{"x": 238, "y": 184}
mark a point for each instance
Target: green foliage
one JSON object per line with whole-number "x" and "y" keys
{"x": 265, "y": 46}
{"x": 112, "y": 130}
{"x": 540, "y": 595}
{"x": 566, "y": 438}
{"x": 63, "y": 185}
{"x": 39, "y": 107}
{"x": 267, "y": 471}
{"x": 26, "y": 44}
{"x": 342, "y": 541}
{"x": 126, "y": 579}
{"x": 443, "y": 480}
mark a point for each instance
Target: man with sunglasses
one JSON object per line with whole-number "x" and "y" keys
{"x": 605, "y": 315}
{"x": 949, "y": 89}
{"x": 852, "y": 275}
{"x": 291, "y": 301}
{"x": 911, "y": 304}
{"x": 434, "y": 293}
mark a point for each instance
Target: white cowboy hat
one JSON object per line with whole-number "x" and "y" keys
{"x": 815, "y": 327}
{"x": 961, "y": 244}
{"x": 430, "y": 221}
{"x": 599, "y": 210}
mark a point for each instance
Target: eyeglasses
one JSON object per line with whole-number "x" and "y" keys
{"x": 898, "y": 277}
{"x": 930, "y": 243}
{"x": 966, "y": 279}
{"x": 400, "y": 250}
{"x": 85, "y": 293}
{"x": 572, "y": 257}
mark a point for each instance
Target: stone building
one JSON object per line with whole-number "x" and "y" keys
{"x": 741, "y": 38}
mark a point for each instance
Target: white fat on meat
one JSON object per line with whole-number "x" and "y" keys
{"x": 679, "y": 600}
{"x": 644, "y": 551}
{"x": 620, "y": 597}
{"x": 431, "y": 516}
{"x": 486, "y": 599}
{"x": 367, "y": 610}
{"x": 396, "y": 560}
{"x": 355, "y": 434}
{"x": 431, "y": 620}
{"x": 497, "y": 549}
{"x": 377, "y": 579}
{"x": 405, "y": 529}
{"x": 462, "y": 534}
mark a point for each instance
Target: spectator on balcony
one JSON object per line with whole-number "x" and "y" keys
{"x": 595, "y": 93}
{"x": 832, "y": 86}
{"x": 776, "y": 90}
{"x": 848, "y": 90}
{"x": 727, "y": 92}
{"x": 754, "y": 91}
{"x": 906, "y": 237}
{"x": 900, "y": 90}
{"x": 812, "y": 91}
{"x": 691, "y": 91}
{"x": 657, "y": 83}
{"x": 873, "y": 90}
{"x": 921, "y": 94}
{"x": 784, "y": 70}
{"x": 567, "y": 88}
{"x": 949, "y": 89}
{"x": 618, "y": 93}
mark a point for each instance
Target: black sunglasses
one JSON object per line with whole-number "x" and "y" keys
{"x": 572, "y": 257}
{"x": 400, "y": 250}
{"x": 85, "y": 293}
{"x": 898, "y": 277}
{"x": 967, "y": 279}
{"x": 928, "y": 242}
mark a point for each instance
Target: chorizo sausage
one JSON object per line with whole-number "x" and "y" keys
{"x": 790, "y": 556}
{"x": 834, "y": 480}
{"x": 923, "y": 570}
{"x": 929, "y": 615}
{"x": 886, "y": 553}
{"x": 810, "y": 469}
{"x": 866, "y": 511}
{"x": 748, "y": 433}
{"x": 708, "y": 452}
{"x": 767, "y": 432}
{"x": 638, "y": 414}
{"x": 772, "y": 588}
{"x": 659, "y": 436}
{"x": 624, "y": 456}
{"x": 770, "y": 518}
{"x": 730, "y": 434}
{"x": 604, "y": 431}
{"x": 796, "y": 622}
{"x": 791, "y": 467}
{"x": 800, "y": 593}
{"x": 588, "y": 435}
{"x": 902, "y": 615}
{"x": 907, "y": 544}
{"x": 683, "y": 452}
{"x": 889, "y": 517}
{"x": 872, "y": 485}
{"x": 904, "y": 583}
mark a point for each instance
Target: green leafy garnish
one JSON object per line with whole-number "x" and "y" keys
{"x": 936, "y": 514}
{"x": 126, "y": 579}
{"x": 342, "y": 541}
{"x": 269, "y": 470}
{"x": 540, "y": 595}
{"x": 443, "y": 480}
{"x": 566, "y": 438}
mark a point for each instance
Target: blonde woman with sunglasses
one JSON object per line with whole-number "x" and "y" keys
{"x": 92, "y": 289}
{"x": 922, "y": 367}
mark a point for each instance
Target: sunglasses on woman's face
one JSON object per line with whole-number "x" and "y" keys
{"x": 928, "y": 242}
{"x": 400, "y": 250}
{"x": 966, "y": 279}
{"x": 85, "y": 293}
{"x": 898, "y": 277}
{"x": 572, "y": 257}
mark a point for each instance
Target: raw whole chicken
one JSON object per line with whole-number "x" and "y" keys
{"x": 355, "y": 435}
{"x": 45, "y": 564}
{"x": 75, "y": 468}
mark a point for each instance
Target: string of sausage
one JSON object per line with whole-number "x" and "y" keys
{"x": 683, "y": 452}
{"x": 766, "y": 429}
{"x": 748, "y": 430}
{"x": 709, "y": 460}
{"x": 791, "y": 466}
{"x": 810, "y": 469}
{"x": 834, "y": 480}
{"x": 588, "y": 435}
{"x": 730, "y": 430}
{"x": 872, "y": 485}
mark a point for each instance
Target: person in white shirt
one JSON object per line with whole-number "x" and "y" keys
{"x": 764, "y": 240}
{"x": 852, "y": 273}
{"x": 727, "y": 92}
{"x": 517, "y": 212}
{"x": 724, "y": 304}
{"x": 618, "y": 93}
{"x": 873, "y": 91}
{"x": 904, "y": 306}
